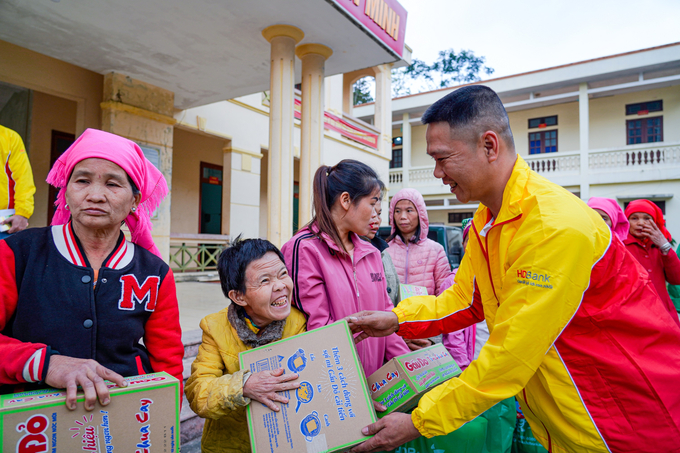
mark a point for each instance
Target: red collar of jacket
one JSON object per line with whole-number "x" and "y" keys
{"x": 633, "y": 240}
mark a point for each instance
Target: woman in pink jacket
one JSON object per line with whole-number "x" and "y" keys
{"x": 419, "y": 261}
{"x": 336, "y": 273}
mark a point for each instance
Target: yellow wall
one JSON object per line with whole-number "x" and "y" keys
{"x": 49, "y": 113}
{"x": 38, "y": 72}
{"x": 189, "y": 150}
{"x": 608, "y": 116}
{"x": 438, "y": 217}
{"x": 419, "y": 157}
{"x": 567, "y": 126}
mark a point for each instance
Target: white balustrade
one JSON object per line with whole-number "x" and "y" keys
{"x": 423, "y": 176}
{"x": 648, "y": 155}
{"x": 569, "y": 162}
{"x": 635, "y": 163}
{"x": 396, "y": 176}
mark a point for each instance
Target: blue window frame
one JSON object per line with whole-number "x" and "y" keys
{"x": 543, "y": 142}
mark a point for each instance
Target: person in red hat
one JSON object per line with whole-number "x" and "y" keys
{"x": 650, "y": 242}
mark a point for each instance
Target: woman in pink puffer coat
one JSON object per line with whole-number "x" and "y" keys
{"x": 419, "y": 261}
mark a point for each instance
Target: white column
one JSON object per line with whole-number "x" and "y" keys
{"x": 313, "y": 57}
{"x": 584, "y": 125}
{"x": 383, "y": 107}
{"x": 333, "y": 87}
{"x": 283, "y": 39}
{"x": 406, "y": 148}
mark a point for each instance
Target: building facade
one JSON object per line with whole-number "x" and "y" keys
{"x": 234, "y": 167}
{"x": 608, "y": 127}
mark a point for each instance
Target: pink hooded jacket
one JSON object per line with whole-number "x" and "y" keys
{"x": 421, "y": 263}
{"x": 329, "y": 285}
{"x": 461, "y": 343}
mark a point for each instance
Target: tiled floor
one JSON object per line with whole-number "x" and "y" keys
{"x": 197, "y": 300}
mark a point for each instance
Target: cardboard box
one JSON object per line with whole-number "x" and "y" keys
{"x": 332, "y": 404}
{"x": 5, "y": 214}
{"x": 401, "y": 382}
{"x": 407, "y": 291}
{"x": 141, "y": 418}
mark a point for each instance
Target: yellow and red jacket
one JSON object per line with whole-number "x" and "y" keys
{"x": 16, "y": 178}
{"x": 577, "y": 331}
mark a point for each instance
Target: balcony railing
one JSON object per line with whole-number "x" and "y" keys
{"x": 635, "y": 163}
{"x": 555, "y": 162}
{"x": 196, "y": 252}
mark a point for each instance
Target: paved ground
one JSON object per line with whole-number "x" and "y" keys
{"x": 196, "y": 300}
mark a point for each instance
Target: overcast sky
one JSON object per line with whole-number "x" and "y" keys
{"x": 521, "y": 35}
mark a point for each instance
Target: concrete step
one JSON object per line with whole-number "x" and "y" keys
{"x": 191, "y": 425}
{"x": 207, "y": 276}
{"x": 193, "y": 446}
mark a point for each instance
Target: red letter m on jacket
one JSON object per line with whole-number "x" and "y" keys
{"x": 131, "y": 292}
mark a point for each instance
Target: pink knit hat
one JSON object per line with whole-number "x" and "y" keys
{"x": 128, "y": 155}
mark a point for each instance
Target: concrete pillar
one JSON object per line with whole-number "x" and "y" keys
{"x": 383, "y": 107}
{"x": 406, "y": 148}
{"x": 347, "y": 95}
{"x": 584, "y": 127}
{"x": 283, "y": 39}
{"x": 313, "y": 57}
{"x": 333, "y": 86}
{"x": 144, "y": 113}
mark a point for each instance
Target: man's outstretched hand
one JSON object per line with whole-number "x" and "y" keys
{"x": 372, "y": 324}
{"x": 389, "y": 432}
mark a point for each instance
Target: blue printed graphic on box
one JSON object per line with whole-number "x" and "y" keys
{"x": 297, "y": 362}
{"x": 310, "y": 426}
{"x": 304, "y": 394}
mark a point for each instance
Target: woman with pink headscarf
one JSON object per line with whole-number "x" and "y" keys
{"x": 78, "y": 302}
{"x": 650, "y": 243}
{"x": 612, "y": 214}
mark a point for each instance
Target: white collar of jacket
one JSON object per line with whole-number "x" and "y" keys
{"x": 69, "y": 247}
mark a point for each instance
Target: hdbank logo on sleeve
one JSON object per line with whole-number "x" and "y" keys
{"x": 537, "y": 279}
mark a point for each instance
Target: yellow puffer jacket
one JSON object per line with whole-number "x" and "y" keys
{"x": 577, "y": 331}
{"x": 215, "y": 388}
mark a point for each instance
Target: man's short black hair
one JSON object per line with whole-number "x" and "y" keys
{"x": 476, "y": 108}
{"x": 234, "y": 261}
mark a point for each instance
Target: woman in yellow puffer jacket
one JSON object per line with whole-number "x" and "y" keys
{"x": 254, "y": 277}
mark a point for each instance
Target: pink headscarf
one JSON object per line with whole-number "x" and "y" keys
{"x": 128, "y": 155}
{"x": 615, "y": 213}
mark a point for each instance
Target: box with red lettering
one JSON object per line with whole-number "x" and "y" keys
{"x": 142, "y": 418}
{"x": 401, "y": 382}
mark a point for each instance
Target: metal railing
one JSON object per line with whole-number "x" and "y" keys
{"x": 196, "y": 252}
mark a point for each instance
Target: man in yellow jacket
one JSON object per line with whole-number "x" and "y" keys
{"x": 16, "y": 183}
{"x": 577, "y": 332}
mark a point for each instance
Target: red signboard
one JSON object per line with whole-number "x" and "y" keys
{"x": 350, "y": 131}
{"x": 384, "y": 19}
{"x": 346, "y": 129}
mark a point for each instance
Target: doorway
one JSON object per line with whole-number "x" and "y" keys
{"x": 210, "y": 215}
{"x": 60, "y": 143}
{"x": 15, "y": 110}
